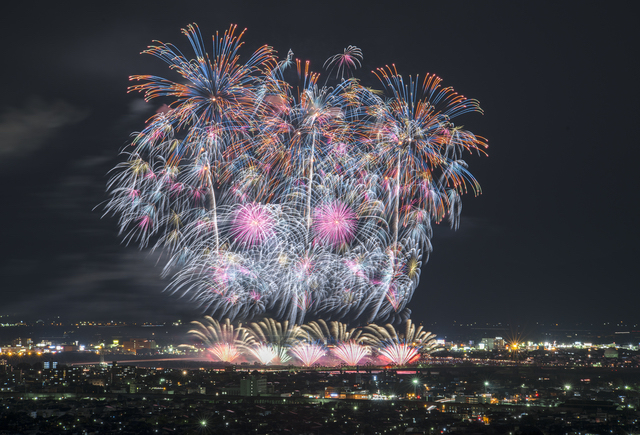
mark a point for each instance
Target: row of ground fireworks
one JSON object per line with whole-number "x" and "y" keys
{"x": 272, "y": 342}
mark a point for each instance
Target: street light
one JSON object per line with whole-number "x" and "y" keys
{"x": 415, "y": 388}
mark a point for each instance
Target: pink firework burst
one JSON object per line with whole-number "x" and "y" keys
{"x": 350, "y": 352}
{"x": 343, "y": 62}
{"x": 334, "y": 223}
{"x": 399, "y": 354}
{"x": 253, "y": 224}
{"x": 145, "y": 223}
{"x": 308, "y": 353}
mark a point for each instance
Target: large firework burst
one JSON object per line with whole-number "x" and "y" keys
{"x": 292, "y": 199}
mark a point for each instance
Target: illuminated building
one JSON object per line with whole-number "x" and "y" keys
{"x": 136, "y": 344}
{"x": 253, "y": 386}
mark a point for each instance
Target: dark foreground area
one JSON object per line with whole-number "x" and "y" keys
{"x": 462, "y": 399}
{"x": 134, "y": 414}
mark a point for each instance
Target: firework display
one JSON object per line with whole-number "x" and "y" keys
{"x": 225, "y": 341}
{"x": 278, "y": 336}
{"x": 264, "y": 353}
{"x": 399, "y": 353}
{"x": 350, "y": 352}
{"x": 399, "y": 348}
{"x": 308, "y": 353}
{"x": 332, "y": 333}
{"x": 288, "y": 198}
{"x": 272, "y": 342}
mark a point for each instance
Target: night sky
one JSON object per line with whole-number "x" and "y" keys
{"x": 553, "y": 237}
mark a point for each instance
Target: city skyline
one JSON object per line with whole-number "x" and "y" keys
{"x": 551, "y": 237}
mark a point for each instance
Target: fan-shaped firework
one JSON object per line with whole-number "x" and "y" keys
{"x": 264, "y": 353}
{"x": 308, "y": 353}
{"x": 350, "y": 352}
{"x": 377, "y": 335}
{"x": 332, "y": 333}
{"x": 210, "y": 331}
{"x": 399, "y": 354}
{"x": 399, "y": 347}
{"x": 223, "y": 340}
{"x": 280, "y": 337}
{"x": 225, "y": 352}
{"x": 295, "y": 199}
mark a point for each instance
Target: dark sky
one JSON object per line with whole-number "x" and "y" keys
{"x": 554, "y": 237}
